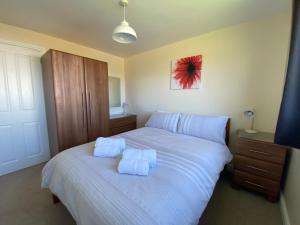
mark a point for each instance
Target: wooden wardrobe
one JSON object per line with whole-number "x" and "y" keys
{"x": 76, "y": 98}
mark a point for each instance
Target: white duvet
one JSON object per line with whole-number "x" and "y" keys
{"x": 175, "y": 192}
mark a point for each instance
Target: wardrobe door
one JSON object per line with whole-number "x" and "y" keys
{"x": 96, "y": 80}
{"x": 70, "y": 99}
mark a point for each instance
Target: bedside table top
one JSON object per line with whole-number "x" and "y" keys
{"x": 116, "y": 116}
{"x": 259, "y": 136}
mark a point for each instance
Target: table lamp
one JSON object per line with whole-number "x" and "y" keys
{"x": 251, "y": 115}
{"x": 125, "y": 108}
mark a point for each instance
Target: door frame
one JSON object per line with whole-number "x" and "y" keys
{"x": 27, "y": 48}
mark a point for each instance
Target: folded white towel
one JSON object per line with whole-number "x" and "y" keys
{"x": 134, "y": 167}
{"x": 138, "y": 154}
{"x": 109, "y": 147}
{"x": 118, "y": 142}
{"x": 107, "y": 151}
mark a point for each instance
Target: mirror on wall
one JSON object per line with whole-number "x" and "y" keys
{"x": 114, "y": 86}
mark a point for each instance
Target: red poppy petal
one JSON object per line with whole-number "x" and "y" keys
{"x": 188, "y": 71}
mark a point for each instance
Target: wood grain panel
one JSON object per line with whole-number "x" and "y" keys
{"x": 69, "y": 85}
{"x": 96, "y": 81}
{"x": 122, "y": 124}
{"x": 76, "y": 92}
{"x": 122, "y": 121}
{"x": 260, "y": 150}
{"x": 48, "y": 83}
{"x": 258, "y": 167}
{"x": 122, "y": 129}
{"x": 259, "y": 163}
{"x": 256, "y": 183}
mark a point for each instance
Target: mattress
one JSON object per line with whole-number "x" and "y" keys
{"x": 175, "y": 192}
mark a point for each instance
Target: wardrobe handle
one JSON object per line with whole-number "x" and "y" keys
{"x": 90, "y": 106}
{"x": 82, "y": 104}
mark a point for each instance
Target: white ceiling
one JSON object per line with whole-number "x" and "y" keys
{"x": 157, "y": 22}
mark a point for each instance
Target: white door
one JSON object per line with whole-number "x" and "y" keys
{"x": 23, "y": 129}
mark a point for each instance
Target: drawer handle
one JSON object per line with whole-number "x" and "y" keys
{"x": 259, "y": 152}
{"x": 254, "y": 184}
{"x": 256, "y": 168}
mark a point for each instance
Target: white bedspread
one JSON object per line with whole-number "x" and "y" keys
{"x": 175, "y": 192}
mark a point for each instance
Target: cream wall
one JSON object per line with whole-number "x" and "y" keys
{"x": 243, "y": 68}
{"x": 115, "y": 63}
{"x": 291, "y": 189}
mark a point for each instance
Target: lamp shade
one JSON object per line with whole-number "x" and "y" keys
{"x": 124, "y": 33}
{"x": 249, "y": 113}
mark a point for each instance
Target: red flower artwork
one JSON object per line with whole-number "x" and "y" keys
{"x": 188, "y": 71}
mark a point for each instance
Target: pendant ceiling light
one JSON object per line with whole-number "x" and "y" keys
{"x": 124, "y": 33}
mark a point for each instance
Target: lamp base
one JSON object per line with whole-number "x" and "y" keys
{"x": 251, "y": 131}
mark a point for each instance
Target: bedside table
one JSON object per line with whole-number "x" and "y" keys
{"x": 258, "y": 163}
{"x": 121, "y": 123}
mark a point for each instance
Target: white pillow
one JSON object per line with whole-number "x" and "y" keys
{"x": 208, "y": 127}
{"x": 164, "y": 120}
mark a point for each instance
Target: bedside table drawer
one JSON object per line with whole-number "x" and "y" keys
{"x": 122, "y": 124}
{"x": 256, "y": 183}
{"x": 262, "y": 151}
{"x": 122, "y": 129}
{"x": 123, "y": 121}
{"x": 257, "y": 167}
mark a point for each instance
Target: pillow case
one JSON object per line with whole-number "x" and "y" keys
{"x": 164, "y": 120}
{"x": 207, "y": 127}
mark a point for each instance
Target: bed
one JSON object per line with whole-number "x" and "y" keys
{"x": 175, "y": 192}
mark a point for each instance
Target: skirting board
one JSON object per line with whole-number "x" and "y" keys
{"x": 284, "y": 211}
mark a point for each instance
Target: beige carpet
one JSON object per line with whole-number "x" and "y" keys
{"x": 22, "y": 202}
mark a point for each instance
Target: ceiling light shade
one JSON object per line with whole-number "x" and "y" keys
{"x": 124, "y": 33}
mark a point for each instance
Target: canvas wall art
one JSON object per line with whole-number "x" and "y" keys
{"x": 186, "y": 73}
